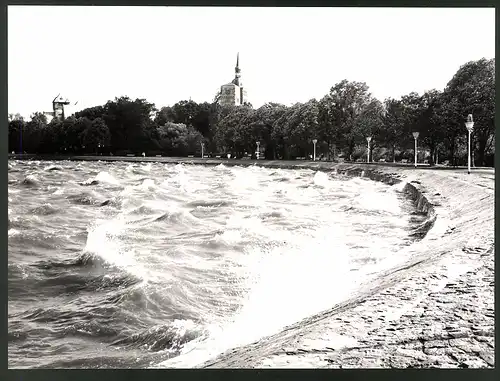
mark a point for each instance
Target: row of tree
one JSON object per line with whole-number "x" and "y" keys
{"x": 340, "y": 121}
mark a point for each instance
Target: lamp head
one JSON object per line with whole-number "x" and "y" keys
{"x": 315, "y": 141}
{"x": 368, "y": 139}
{"x": 469, "y": 124}
{"x": 415, "y": 135}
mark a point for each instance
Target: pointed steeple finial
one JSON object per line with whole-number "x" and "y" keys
{"x": 237, "y": 71}
{"x": 237, "y": 68}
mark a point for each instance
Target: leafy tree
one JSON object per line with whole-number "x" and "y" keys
{"x": 452, "y": 123}
{"x": 95, "y": 135}
{"x": 369, "y": 123}
{"x": 392, "y": 130}
{"x": 279, "y": 135}
{"x": 177, "y": 139}
{"x": 262, "y": 121}
{"x": 53, "y": 137}
{"x": 185, "y": 112}
{"x": 32, "y": 134}
{"x": 130, "y": 123}
{"x": 189, "y": 113}
{"x": 16, "y": 116}
{"x": 281, "y": 131}
{"x": 16, "y": 128}
{"x": 329, "y": 125}
{"x": 302, "y": 127}
{"x": 91, "y": 113}
{"x": 74, "y": 128}
{"x": 231, "y": 133}
{"x": 39, "y": 117}
{"x": 471, "y": 91}
{"x": 202, "y": 121}
{"x": 164, "y": 115}
{"x": 351, "y": 107}
{"x": 413, "y": 105}
{"x": 431, "y": 132}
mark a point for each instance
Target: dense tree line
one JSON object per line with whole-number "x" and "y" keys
{"x": 340, "y": 121}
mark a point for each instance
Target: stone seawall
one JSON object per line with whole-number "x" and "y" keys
{"x": 412, "y": 189}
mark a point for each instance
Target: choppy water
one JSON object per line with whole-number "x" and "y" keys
{"x": 146, "y": 265}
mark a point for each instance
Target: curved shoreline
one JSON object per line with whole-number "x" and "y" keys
{"x": 435, "y": 310}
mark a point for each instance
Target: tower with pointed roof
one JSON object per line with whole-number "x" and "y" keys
{"x": 57, "y": 112}
{"x": 233, "y": 93}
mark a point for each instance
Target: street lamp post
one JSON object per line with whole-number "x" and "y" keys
{"x": 314, "y": 149}
{"x": 470, "y": 126}
{"x": 415, "y": 136}
{"x": 258, "y": 149}
{"x": 21, "y": 139}
{"x": 202, "y": 150}
{"x": 368, "y": 140}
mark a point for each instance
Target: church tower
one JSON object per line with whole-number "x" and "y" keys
{"x": 233, "y": 93}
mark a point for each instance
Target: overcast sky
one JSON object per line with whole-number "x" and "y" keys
{"x": 287, "y": 55}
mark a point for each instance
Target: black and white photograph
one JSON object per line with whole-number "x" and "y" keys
{"x": 250, "y": 187}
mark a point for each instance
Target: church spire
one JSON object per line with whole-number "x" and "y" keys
{"x": 237, "y": 70}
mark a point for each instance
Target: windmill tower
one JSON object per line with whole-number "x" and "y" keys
{"x": 58, "y": 104}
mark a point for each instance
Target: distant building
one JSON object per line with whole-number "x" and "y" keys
{"x": 57, "y": 108}
{"x": 233, "y": 93}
